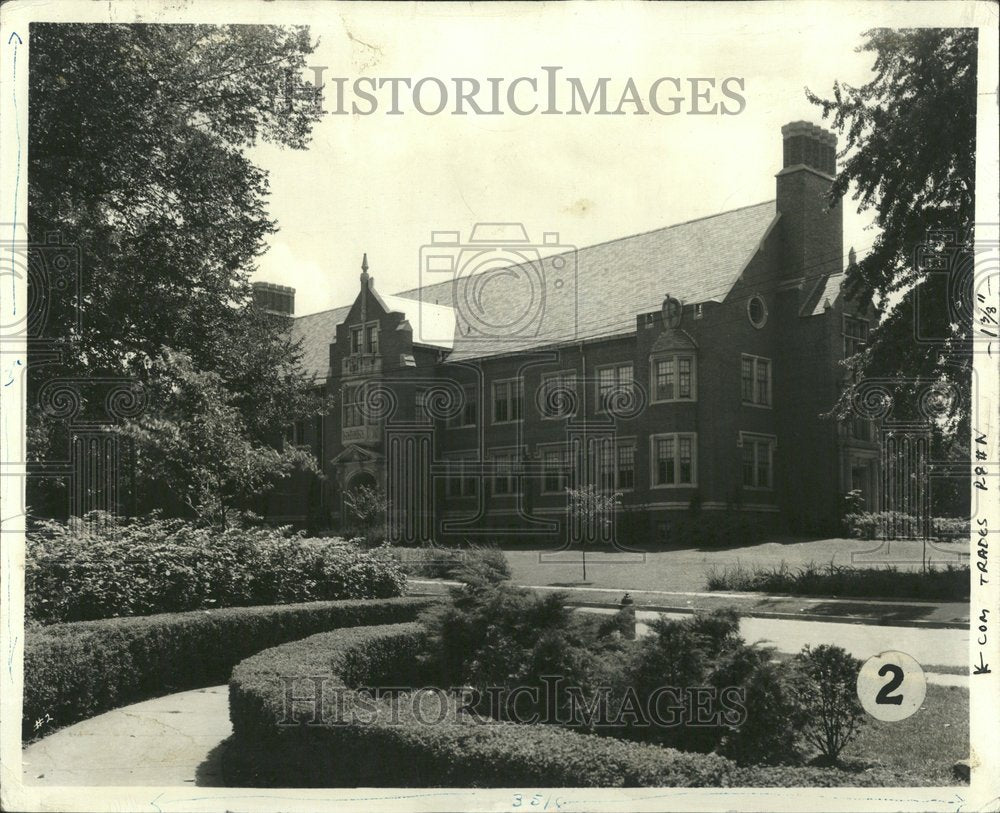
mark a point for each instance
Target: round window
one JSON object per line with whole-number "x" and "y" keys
{"x": 757, "y": 311}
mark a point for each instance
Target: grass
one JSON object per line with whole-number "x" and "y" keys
{"x": 928, "y": 743}
{"x": 950, "y": 583}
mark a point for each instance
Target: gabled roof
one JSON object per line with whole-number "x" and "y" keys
{"x": 589, "y": 293}
{"x": 824, "y": 295}
{"x": 317, "y": 332}
{"x": 598, "y": 290}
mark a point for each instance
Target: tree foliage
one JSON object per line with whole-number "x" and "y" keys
{"x": 910, "y": 158}
{"x": 196, "y": 443}
{"x": 137, "y": 160}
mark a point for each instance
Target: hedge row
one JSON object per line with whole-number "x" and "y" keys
{"x": 76, "y": 670}
{"x": 105, "y": 566}
{"x": 399, "y": 745}
{"x": 950, "y": 583}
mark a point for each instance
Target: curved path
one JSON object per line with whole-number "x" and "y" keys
{"x": 172, "y": 740}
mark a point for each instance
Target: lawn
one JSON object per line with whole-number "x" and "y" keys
{"x": 685, "y": 569}
{"x": 927, "y": 744}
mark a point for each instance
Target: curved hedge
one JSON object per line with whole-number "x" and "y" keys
{"x": 76, "y": 670}
{"x": 393, "y": 748}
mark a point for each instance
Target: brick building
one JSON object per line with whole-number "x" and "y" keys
{"x": 686, "y": 367}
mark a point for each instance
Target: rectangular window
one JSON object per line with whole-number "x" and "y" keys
{"x": 468, "y": 413}
{"x": 673, "y": 460}
{"x": 508, "y": 401}
{"x": 555, "y": 470}
{"x": 610, "y": 380}
{"x": 504, "y": 477}
{"x": 758, "y": 462}
{"x": 626, "y": 466}
{"x": 353, "y": 400}
{"x": 664, "y": 378}
{"x": 746, "y": 376}
{"x": 462, "y": 478}
{"x": 755, "y": 377}
{"x": 371, "y": 339}
{"x": 356, "y": 341}
{"x": 855, "y": 335}
{"x": 558, "y": 396}
{"x": 606, "y": 465}
{"x": 673, "y": 378}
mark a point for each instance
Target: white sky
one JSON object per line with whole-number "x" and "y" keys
{"x": 380, "y": 184}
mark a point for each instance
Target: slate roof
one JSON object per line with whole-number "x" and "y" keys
{"x": 826, "y": 293}
{"x": 588, "y": 293}
{"x": 599, "y": 289}
{"x": 317, "y": 332}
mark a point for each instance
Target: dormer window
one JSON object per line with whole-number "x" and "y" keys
{"x": 673, "y": 378}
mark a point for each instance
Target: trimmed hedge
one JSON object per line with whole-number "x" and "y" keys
{"x": 106, "y": 567}
{"x": 76, "y": 670}
{"x": 394, "y": 748}
{"x": 950, "y": 583}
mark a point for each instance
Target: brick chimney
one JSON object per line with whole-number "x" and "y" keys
{"x": 812, "y": 231}
{"x": 276, "y": 299}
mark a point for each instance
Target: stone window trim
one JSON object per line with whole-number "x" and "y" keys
{"x": 360, "y": 335}
{"x": 653, "y": 460}
{"x": 675, "y": 357}
{"x": 756, "y": 302}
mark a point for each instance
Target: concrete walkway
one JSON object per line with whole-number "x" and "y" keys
{"x": 172, "y": 740}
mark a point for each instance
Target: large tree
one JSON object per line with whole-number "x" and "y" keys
{"x": 910, "y": 161}
{"x": 138, "y": 139}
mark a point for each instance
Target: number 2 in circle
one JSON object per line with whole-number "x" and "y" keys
{"x": 885, "y": 695}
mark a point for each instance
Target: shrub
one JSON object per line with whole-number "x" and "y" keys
{"x": 477, "y": 562}
{"x": 950, "y": 583}
{"x": 706, "y": 650}
{"x": 827, "y": 687}
{"x": 873, "y": 524}
{"x": 76, "y": 670}
{"x": 393, "y": 747}
{"x": 105, "y": 568}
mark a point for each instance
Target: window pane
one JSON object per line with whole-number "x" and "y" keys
{"x": 517, "y": 400}
{"x": 626, "y": 467}
{"x": 500, "y": 412}
{"x": 665, "y": 379}
{"x": 683, "y": 378}
{"x": 470, "y": 408}
{"x": 371, "y": 339}
{"x": 356, "y": 340}
{"x": 747, "y": 379}
{"x": 665, "y": 461}
{"x": 684, "y": 445}
{"x": 763, "y": 381}
{"x": 748, "y": 464}
{"x": 763, "y": 465}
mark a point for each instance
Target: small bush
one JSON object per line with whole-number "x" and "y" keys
{"x": 950, "y": 583}
{"x": 74, "y": 671}
{"x": 827, "y": 687}
{"x": 105, "y": 568}
{"x": 478, "y": 562}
